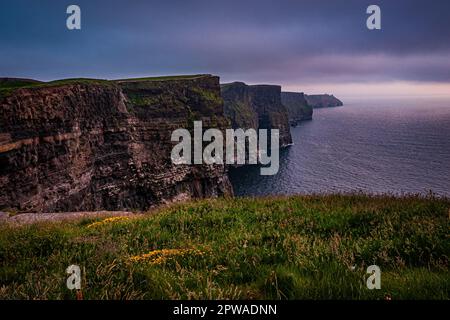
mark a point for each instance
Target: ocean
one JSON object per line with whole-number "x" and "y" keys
{"x": 377, "y": 146}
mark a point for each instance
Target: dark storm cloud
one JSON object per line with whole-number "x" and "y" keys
{"x": 255, "y": 41}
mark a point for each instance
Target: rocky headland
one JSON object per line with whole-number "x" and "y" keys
{"x": 297, "y": 107}
{"x": 323, "y": 101}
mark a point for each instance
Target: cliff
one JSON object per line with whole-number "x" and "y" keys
{"x": 258, "y": 107}
{"x": 297, "y": 107}
{"x": 323, "y": 101}
{"x": 85, "y": 144}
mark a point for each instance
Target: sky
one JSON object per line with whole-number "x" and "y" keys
{"x": 312, "y": 46}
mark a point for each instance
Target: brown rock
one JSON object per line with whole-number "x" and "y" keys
{"x": 105, "y": 145}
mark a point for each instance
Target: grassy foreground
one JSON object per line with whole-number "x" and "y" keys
{"x": 302, "y": 247}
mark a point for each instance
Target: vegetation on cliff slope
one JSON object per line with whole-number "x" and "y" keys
{"x": 314, "y": 247}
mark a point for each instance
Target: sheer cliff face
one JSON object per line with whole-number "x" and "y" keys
{"x": 238, "y": 105}
{"x": 257, "y": 107}
{"x": 323, "y": 101}
{"x": 297, "y": 107}
{"x": 104, "y": 145}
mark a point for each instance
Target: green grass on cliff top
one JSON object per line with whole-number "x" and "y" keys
{"x": 300, "y": 247}
{"x": 7, "y": 87}
{"x": 164, "y": 78}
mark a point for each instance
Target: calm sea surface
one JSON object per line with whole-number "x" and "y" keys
{"x": 377, "y": 146}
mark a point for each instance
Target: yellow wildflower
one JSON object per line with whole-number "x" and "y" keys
{"x": 157, "y": 257}
{"x": 106, "y": 221}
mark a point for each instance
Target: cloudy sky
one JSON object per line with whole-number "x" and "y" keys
{"x": 312, "y": 46}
